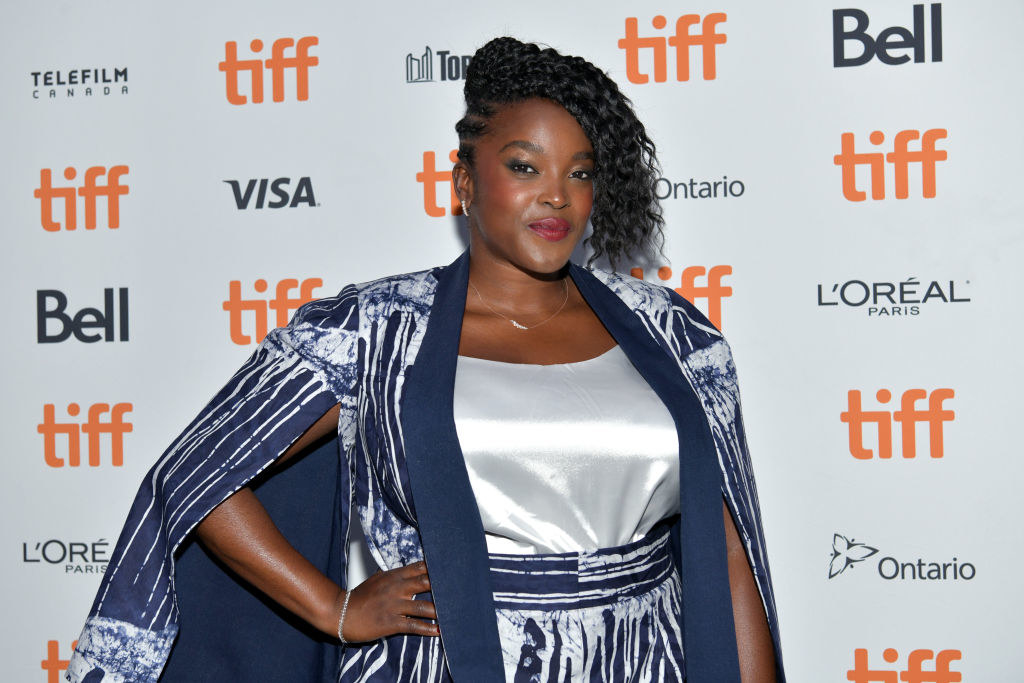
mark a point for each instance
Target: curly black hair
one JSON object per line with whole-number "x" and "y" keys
{"x": 626, "y": 214}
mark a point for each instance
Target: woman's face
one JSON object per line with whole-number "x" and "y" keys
{"x": 531, "y": 188}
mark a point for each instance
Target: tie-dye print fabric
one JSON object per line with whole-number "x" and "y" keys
{"x": 354, "y": 349}
{"x": 610, "y": 615}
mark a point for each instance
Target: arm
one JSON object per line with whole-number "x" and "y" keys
{"x": 753, "y": 639}
{"x": 243, "y": 536}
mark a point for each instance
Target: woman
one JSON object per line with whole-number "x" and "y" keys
{"x": 472, "y": 404}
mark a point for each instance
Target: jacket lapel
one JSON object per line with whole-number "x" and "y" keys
{"x": 708, "y": 631}
{"x": 449, "y": 520}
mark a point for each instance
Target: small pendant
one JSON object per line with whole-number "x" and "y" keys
{"x": 521, "y": 327}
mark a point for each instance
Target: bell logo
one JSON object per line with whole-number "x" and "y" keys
{"x": 908, "y": 416}
{"x": 714, "y": 291}
{"x": 301, "y": 61}
{"x": 900, "y": 158}
{"x": 682, "y": 41}
{"x": 53, "y": 665}
{"x": 112, "y": 319}
{"x": 282, "y": 303}
{"x": 430, "y": 178}
{"x": 93, "y": 428}
{"x": 91, "y": 188}
{"x": 891, "y": 39}
{"x": 939, "y": 671}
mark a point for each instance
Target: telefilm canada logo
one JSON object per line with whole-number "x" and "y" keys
{"x": 893, "y": 299}
{"x": 67, "y": 84}
{"x": 431, "y": 66}
{"x": 849, "y": 553}
{"x": 73, "y": 557}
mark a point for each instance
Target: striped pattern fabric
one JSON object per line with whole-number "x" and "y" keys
{"x": 355, "y": 349}
{"x": 608, "y": 616}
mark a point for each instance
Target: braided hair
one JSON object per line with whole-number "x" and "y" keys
{"x": 626, "y": 215}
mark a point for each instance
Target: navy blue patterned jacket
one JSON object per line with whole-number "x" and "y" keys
{"x": 386, "y": 352}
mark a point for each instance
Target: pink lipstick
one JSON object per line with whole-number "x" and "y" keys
{"x": 551, "y": 229}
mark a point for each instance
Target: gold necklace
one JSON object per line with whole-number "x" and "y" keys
{"x": 515, "y": 323}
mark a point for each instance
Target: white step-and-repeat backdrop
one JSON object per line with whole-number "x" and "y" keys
{"x": 842, "y": 189}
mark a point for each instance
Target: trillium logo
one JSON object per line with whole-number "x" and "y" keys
{"x": 846, "y": 553}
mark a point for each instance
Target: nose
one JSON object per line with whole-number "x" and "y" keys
{"x": 555, "y": 194}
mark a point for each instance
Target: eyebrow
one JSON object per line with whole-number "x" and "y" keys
{"x": 537, "y": 149}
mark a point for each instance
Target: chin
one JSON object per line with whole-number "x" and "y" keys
{"x": 549, "y": 263}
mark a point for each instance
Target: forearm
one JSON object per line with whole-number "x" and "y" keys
{"x": 753, "y": 638}
{"x": 242, "y": 535}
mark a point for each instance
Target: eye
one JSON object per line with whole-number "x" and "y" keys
{"x": 582, "y": 174}
{"x": 520, "y": 167}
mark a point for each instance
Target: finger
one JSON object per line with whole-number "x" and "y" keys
{"x": 414, "y": 569}
{"x": 423, "y": 609}
{"x": 417, "y": 584}
{"x": 418, "y": 627}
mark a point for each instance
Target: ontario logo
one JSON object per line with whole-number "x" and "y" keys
{"x": 847, "y": 553}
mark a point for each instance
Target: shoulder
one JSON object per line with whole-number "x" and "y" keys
{"x": 664, "y": 308}
{"x": 413, "y": 292}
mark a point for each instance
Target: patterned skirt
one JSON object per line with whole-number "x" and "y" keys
{"x": 610, "y": 615}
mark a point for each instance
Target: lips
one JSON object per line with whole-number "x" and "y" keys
{"x": 551, "y": 229}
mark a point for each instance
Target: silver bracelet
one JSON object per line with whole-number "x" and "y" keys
{"x": 341, "y": 619}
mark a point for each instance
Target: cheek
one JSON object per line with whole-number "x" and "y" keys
{"x": 584, "y": 200}
{"x": 499, "y": 196}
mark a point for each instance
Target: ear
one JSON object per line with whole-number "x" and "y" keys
{"x": 462, "y": 177}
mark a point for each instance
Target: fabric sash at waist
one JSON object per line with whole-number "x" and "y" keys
{"x": 584, "y": 579}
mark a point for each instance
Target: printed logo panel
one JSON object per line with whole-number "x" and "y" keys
{"x": 255, "y": 193}
{"x": 53, "y": 664}
{"x": 79, "y": 83}
{"x": 62, "y": 442}
{"x": 450, "y": 67}
{"x": 649, "y": 54}
{"x": 256, "y": 310}
{"x": 713, "y": 291}
{"x": 921, "y": 666}
{"x": 848, "y": 553}
{"x": 699, "y": 189}
{"x": 92, "y": 188}
{"x": 74, "y": 557}
{"x": 927, "y": 155}
{"x": 908, "y": 416}
{"x": 436, "y": 184}
{"x": 54, "y": 325}
{"x": 891, "y": 46}
{"x": 285, "y": 54}
{"x": 892, "y": 299}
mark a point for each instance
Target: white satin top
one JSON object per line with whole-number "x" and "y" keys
{"x": 566, "y": 457}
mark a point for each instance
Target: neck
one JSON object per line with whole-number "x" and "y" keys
{"x": 511, "y": 289}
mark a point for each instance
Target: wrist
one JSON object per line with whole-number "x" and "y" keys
{"x": 326, "y": 620}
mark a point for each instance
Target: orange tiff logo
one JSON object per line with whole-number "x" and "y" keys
{"x": 908, "y": 416}
{"x": 923, "y": 666}
{"x": 93, "y": 428}
{"x": 430, "y": 177}
{"x": 53, "y": 665}
{"x": 714, "y": 291}
{"x": 301, "y": 61}
{"x": 90, "y": 190}
{"x": 900, "y": 157}
{"x": 282, "y": 303}
{"x": 706, "y": 39}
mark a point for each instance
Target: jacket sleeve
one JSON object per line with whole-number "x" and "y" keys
{"x": 295, "y": 375}
{"x": 707, "y": 362}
